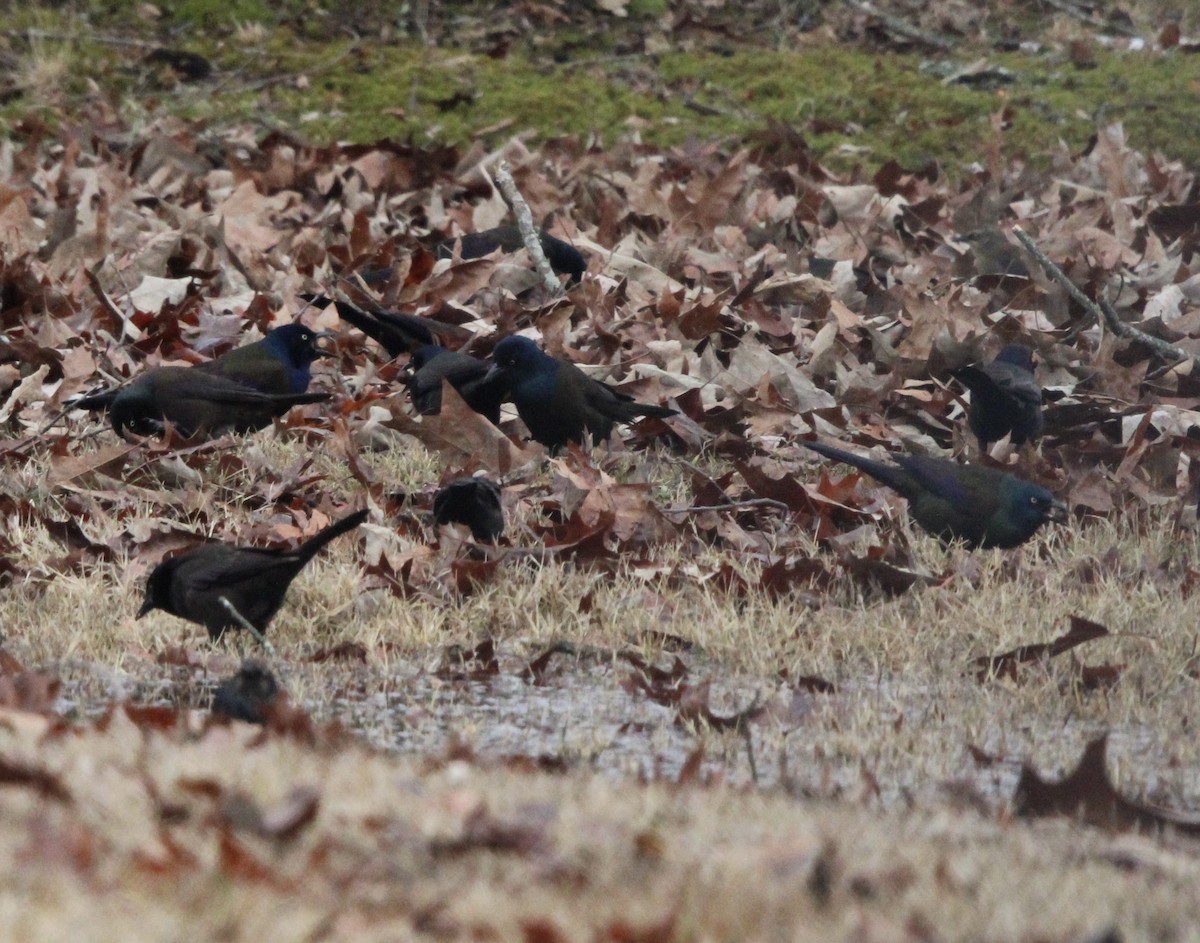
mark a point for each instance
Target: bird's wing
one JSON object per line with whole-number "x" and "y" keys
{"x": 251, "y": 365}
{"x": 939, "y": 477}
{"x": 1015, "y": 382}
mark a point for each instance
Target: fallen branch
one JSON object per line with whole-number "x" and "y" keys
{"x": 128, "y": 329}
{"x": 732, "y": 505}
{"x": 1103, "y": 311}
{"x": 529, "y": 232}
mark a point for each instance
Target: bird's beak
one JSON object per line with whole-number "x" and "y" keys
{"x": 329, "y": 351}
{"x": 495, "y": 372}
{"x": 1058, "y": 512}
{"x": 147, "y": 605}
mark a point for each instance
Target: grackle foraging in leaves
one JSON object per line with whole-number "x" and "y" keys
{"x": 468, "y": 375}
{"x": 983, "y": 507}
{"x": 254, "y": 580}
{"x": 563, "y": 257}
{"x": 557, "y": 401}
{"x": 240, "y": 391}
{"x": 1005, "y": 398}
{"x": 197, "y": 403}
{"x": 396, "y": 332}
{"x": 474, "y": 502}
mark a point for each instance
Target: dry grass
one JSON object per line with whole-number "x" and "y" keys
{"x": 869, "y": 816}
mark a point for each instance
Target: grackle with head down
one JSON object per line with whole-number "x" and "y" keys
{"x": 474, "y": 502}
{"x": 196, "y": 403}
{"x": 983, "y": 507}
{"x": 240, "y": 391}
{"x": 254, "y": 581}
{"x": 470, "y": 376}
{"x": 557, "y": 401}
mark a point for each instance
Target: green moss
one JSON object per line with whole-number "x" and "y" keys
{"x": 647, "y": 9}
{"x": 298, "y": 70}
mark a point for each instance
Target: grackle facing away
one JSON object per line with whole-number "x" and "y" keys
{"x": 557, "y": 401}
{"x": 474, "y": 502}
{"x": 468, "y": 375}
{"x": 253, "y": 580}
{"x": 981, "y": 506}
{"x": 1005, "y": 397}
{"x": 240, "y": 391}
{"x": 563, "y": 257}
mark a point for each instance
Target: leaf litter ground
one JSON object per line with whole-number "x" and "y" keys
{"x": 698, "y": 657}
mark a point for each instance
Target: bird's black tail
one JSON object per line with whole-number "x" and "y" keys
{"x": 895, "y": 478}
{"x": 395, "y": 331}
{"x": 308, "y": 550}
{"x": 95, "y": 401}
{"x": 974, "y": 379}
{"x": 633, "y": 410}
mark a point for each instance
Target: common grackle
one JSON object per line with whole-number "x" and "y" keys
{"x": 279, "y": 363}
{"x": 981, "y": 506}
{"x": 253, "y": 580}
{"x": 396, "y": 332}
{"x": 563, "y": 257}
{"x": 242, "y": 390}
{"x": 474, "y": 502}
{"x": 197, "y": 403}
{"x": 994, "y": 254}
{"x": 1005, "y": 397}
{"x": 468, "y": 375}
{"x": 557, "y": 401}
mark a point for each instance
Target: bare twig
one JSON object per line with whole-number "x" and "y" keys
{"x": 893, "y": 24}
{"x": 1103, "y": 311}
{"x": 731, "y": 506}
{"x": 529, "y": 232}
{"x": 242, "y": 621}
{"x": 1083, "y": 15}
{"x": 127, "y": 326}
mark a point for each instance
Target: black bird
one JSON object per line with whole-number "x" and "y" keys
{"x": 995, "y": 255}
{"x": 981, "y": 506}
{"x": 242, "y": 390}
{"x": 557, "y": 401}
{"x": 1005, "y": 398}
{"x": 247, "y": 695}
{"x": 279, "y": 363}
{"x": 470, "y": 376}
{"x": 253, "y": 580}
{"x": 396, "y": 332}
{"x": 563, "y": 257}
{"x": 198, "y": 403}
{"x": 474, "y": 502}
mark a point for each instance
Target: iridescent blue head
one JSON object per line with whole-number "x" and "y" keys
{"x": 295, "y": 346}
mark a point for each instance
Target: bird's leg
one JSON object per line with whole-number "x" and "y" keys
{"x": 242, "y": 621}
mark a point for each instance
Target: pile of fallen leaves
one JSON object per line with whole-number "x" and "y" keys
{"x": 764, "y": 297}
